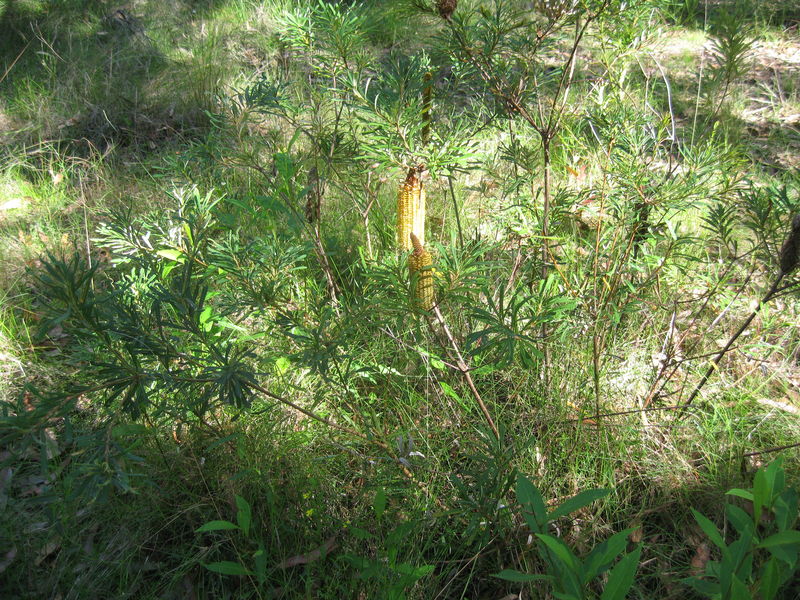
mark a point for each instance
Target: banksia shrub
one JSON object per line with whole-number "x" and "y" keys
{"x": 410, "y": 211}
{"x": 790, "y": 251}
{"x": 419, "y": 264}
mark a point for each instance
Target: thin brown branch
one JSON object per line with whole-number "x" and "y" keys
{"x": 625, "y": 412}
{"x": 715, "y": 363}
{"x": 774, "y": 449}
{"x": 349, "y": 431}
{"x": 465, "y": 371}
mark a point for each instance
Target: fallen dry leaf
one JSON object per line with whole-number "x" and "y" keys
{"x": 700, "y": 558}
{"x": 314, "y": 555}
{"x": 785, "y": 406}
{"x": 635, "y": 536}
{"x": 12, "y": 204}
{"x": 72, "y": 121}
{"x": 47, "y": 550}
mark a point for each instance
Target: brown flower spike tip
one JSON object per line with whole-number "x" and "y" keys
{"x": 790, "y": 251}
{"x": 446, "y": 8}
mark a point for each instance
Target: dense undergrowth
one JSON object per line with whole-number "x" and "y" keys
{"x": 216, "y": 380}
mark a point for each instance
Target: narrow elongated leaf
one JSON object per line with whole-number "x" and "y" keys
{"x": 227, "y": 567}
{"x": 740, "y": 519}
{"x": 260, "y": 561}
{"x": 786, "y": 509}
{"x": 621, "y": 577}
{"x": 741, "y": 494}
{"x": 737, "y": 561}
{"x": 379, "y": 504}
{"x": 560, "y": 549}
{"x": 739, "y": 590}
{"x": 216, "y": 526}
{"x": 224, "y": 440}
{"x": 577, "y": 502}
{"x": 770, "y": 580}
{"x": 767, "y": 482}
{"x": 170, "y": 254}
{"x": 710, "y": 530}
{"x": 534, "y": 510}
{"x": 602, "y": 555}
{"x": 517, "y": 577}
{"x": 361, "y": 534}
{"x": 784, "y": 546}
{"x": 244, "y": 515}
{"x": 708, "y": 588}
{"x": 784, "y": 538}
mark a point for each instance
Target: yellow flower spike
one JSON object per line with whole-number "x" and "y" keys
{"x": 406, "y": 203}
{"x": 419, "y": 263}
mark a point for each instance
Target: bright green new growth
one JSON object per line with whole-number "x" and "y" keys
{"x": 762, "y": 556}
{"x": 569, "y": 576}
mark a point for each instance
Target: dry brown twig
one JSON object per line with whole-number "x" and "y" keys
{"x": 464, "y": 369}
{"x": 788, "y": 261}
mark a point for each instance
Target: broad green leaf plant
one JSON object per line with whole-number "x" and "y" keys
{"x": 762, "y": 557}
{"x": 570, "y": 576}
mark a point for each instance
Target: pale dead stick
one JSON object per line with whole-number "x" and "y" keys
{"x": 11, "y": 66}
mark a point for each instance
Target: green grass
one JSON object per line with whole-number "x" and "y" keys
{"x": 110, "y": 119}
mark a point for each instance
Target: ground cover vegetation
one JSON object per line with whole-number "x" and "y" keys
{"x": 399, "y": 299}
